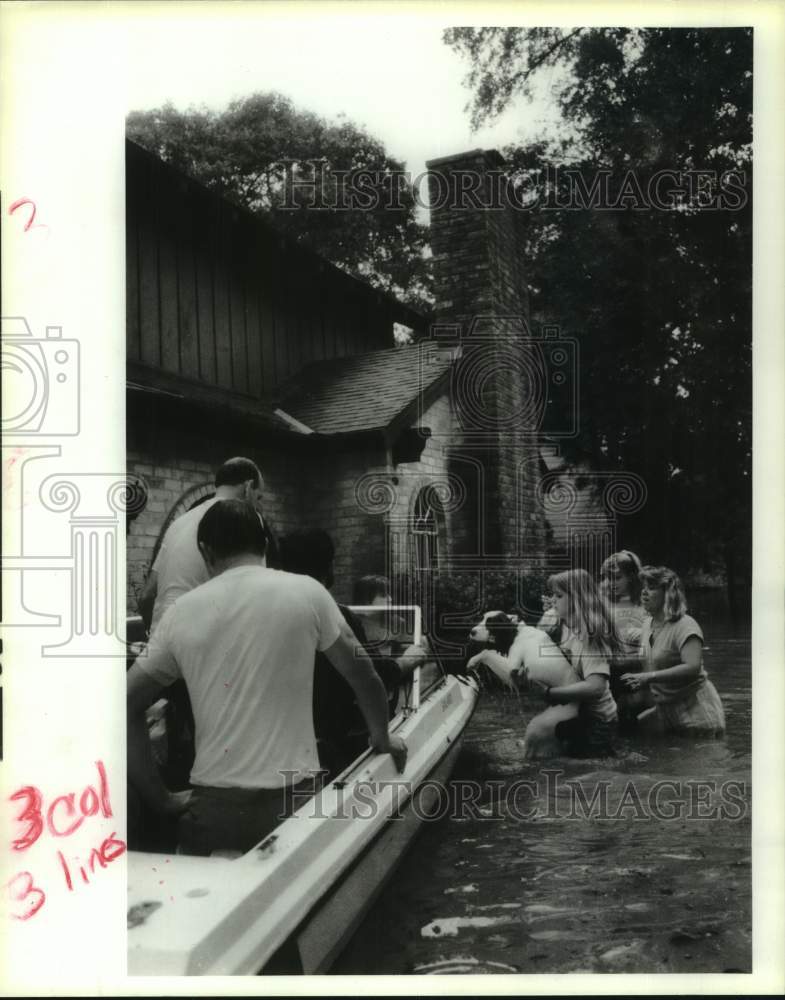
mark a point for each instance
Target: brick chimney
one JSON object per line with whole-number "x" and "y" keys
{"x": 482, "y": 300}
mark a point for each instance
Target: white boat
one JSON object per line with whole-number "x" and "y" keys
{"x": 293, "y": 901}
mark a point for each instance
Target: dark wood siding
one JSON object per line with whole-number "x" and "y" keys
{"x": 217, "y": 296}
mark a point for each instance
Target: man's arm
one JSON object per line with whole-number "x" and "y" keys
{"x": 352, "y": 663}
{"x": 147, "y": 598}
{"x": 142, "y": 691}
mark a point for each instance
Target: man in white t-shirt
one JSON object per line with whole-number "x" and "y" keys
{"x": 244, "y": 642}
{"x": 179, "y": 566}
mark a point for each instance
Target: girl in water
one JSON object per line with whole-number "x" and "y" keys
{"x": 685, "y": 700}
{"x": 584, "y": 632}
{"x": 620, "y": 585}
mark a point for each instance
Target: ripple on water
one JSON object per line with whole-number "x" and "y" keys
{"x": 462, "y": 963}
{"x": 556, "y": 935}
{"x": 627, "y": 885}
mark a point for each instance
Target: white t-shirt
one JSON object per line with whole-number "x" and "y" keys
{"x": 179, "y": 562}
{"x": 587, "y": 661}
{"x": 244, "y": 642}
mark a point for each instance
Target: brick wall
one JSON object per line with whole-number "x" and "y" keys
{"x": 365, "y": 504}
{"x": 175, "y": 461}
{"x": 478, "y": 246}
{"x": 178, "y": 465}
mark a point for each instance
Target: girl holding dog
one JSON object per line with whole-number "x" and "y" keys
{"x": 586, "y": 635}
{"x": 685, "y": 700}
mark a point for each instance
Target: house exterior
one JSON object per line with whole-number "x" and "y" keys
{"x": 416, "y": 458}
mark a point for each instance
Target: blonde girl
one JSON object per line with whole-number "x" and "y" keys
{"x": 586, "y": 635}
{"x": 685, "y": 700}
{"x": 620, "y": 585}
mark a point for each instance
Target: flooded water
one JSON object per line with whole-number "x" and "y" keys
{"x": 655, "y": 877}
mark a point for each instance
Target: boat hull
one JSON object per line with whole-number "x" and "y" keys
{"x": 303, "y": 890}
{"x": 331, "y": 925}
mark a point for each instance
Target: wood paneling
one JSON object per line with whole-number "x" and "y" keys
{"x": 216, "y": 295}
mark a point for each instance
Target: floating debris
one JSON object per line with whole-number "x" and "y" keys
{"x": 449, "y": 926}
{"x": 622, "y": 951}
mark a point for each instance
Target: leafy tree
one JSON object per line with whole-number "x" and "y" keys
{"x": 286, "y": 164}
{"x": 659, "y": 295}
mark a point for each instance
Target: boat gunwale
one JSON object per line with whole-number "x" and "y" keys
{"x": 354, "y": 770}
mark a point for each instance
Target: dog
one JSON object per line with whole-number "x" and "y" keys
{"x": 496, "y": 630}
{"x": 519, "y": 656}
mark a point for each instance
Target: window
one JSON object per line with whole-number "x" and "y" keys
{"x": 425, "y": 530}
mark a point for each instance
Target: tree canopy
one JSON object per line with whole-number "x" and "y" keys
{"x": 297, "y": 169}
{"x": 640, "y": 246}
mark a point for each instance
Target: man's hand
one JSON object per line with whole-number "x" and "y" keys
{"x": 397, "y": 749}
{"x": 177, "y": 803}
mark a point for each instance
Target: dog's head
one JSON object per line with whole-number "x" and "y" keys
{"x": 496, "y": 630}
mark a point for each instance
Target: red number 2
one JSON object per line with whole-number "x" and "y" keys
{"x": 22, "y": 892}
{"x": 31, "y": 814}
{"x": 31, "y": 223}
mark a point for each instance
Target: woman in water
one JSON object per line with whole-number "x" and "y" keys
{"x": 620, "y": 585}
{"x": 685, "y": 700}
{"x": 584, "y": 632}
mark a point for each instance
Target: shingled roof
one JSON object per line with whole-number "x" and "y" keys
{"x": 362, "y": 391}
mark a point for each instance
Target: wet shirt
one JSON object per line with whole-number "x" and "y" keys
{"x": 586, "y": 662}
{"x": 661, "y": 647}
{"x": 628, "y": 619}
